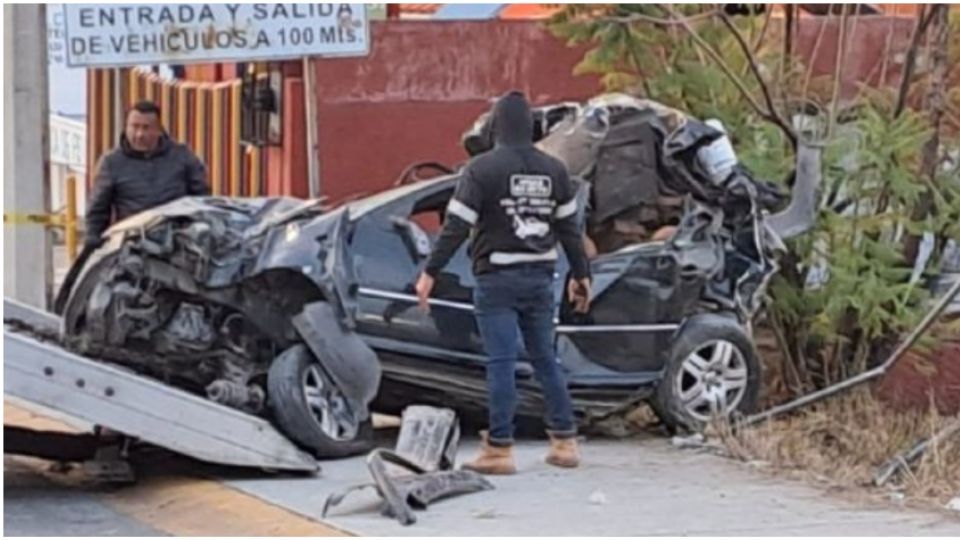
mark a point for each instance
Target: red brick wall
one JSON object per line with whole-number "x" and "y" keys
{"x": 869, "y": 41}
{"x": 920, "y": 380}
{"x": 421, "y": 87}
{"x": 424, "y": 82}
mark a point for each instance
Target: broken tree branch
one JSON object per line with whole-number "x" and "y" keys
{"x": 920, "y": 28}
{"x": 773, "y": 114}
{"x": 718, "y": 60}
{"x": 866, "y": 376}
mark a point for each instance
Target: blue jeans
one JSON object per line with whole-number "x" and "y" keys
{"x": 513, "y": 302}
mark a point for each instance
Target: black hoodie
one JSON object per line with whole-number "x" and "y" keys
{"x": 519, "y": 201}
{"x": 128, "y": 182}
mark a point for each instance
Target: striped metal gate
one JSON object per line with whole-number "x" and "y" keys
{"x": 203, "y": 115}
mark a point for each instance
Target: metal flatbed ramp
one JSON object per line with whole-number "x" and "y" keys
{"x": 49, "y": 376}
{"x": 37, "y": 318}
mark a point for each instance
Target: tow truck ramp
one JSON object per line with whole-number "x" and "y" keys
{"x": 51, "y": 377}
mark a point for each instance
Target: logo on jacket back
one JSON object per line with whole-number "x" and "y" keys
{"x": 530, "y": 205}
{"x": 524, "y": 228}
{"x": 531, "y": 185}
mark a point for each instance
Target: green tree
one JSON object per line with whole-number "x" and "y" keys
{"x": 844, "y": 293}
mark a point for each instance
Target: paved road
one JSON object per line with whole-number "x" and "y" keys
{"x": 36, "y": 506}
{"x": 173, "y": 496}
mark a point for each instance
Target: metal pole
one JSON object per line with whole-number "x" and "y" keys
{"x": 902, "y": 461}
{"x": 70, "y": 223}
{"x": 27, "y": 253}
{"x": 118, "y": 105}
{"x": 865, "y": 376}
{"x": 310, "y": 109}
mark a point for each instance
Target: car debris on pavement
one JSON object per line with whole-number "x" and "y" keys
{"x": 420, "y": 469}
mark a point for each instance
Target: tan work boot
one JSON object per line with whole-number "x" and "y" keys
{"x": 563, "y": 452}
{"x": 492, "y": 459}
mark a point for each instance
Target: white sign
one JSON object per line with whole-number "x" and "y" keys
{"x": 56, "y": 35}
{"x": 68, "y": 142}
{"x": 131, "y": 34}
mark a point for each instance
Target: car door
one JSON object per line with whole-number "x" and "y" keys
{"x": 391, "y": 245}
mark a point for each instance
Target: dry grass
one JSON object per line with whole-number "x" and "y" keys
{"x": 843, "y": 441}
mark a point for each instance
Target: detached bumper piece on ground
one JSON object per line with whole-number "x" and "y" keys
{"x": 419, "y": 471}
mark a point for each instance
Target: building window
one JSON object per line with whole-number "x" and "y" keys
{"x": 261, "y": 91}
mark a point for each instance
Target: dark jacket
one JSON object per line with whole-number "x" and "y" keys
{"x": 518, "y": 200}
{"x": 128, "y": 182}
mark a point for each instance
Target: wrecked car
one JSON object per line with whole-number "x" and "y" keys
{"x": 239, "y": 301}
{"x": 685, "y": 241}
{"x": 308, "y": 315}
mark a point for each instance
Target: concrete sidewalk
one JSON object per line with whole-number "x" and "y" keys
{"x": 624, "y": 488}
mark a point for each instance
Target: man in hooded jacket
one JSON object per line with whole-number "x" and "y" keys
{"x": 147, "y": 169}
{"x": 518, "y": 202}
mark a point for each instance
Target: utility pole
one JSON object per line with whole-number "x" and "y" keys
{"x": 27, "y": 255}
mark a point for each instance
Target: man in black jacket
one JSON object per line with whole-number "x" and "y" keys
{"x": 519, "y": 202}
{"x": 146, "y": 170}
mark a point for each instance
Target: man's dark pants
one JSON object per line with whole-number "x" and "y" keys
{"x": 512, "y": 302}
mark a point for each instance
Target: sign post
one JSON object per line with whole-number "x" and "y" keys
{"x": 310, "y": 108}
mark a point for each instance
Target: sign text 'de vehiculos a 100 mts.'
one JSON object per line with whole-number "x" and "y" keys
{"x": 132, "y": 34}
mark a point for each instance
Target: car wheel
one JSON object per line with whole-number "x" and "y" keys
{"x": 311, "y": 410}
{"x": 76, "y": 300}
{"x": 713, "y": 369}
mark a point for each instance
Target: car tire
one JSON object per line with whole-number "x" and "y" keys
{"x": 297, "y": 389}
{"x": 73, "y": 302}
{"x": 718, "y": 349}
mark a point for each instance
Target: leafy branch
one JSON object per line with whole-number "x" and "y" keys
{"x": 771, "y": 113}
{"x": 844, "y": 289}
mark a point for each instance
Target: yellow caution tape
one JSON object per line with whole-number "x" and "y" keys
{"x": 57, "y": 220}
